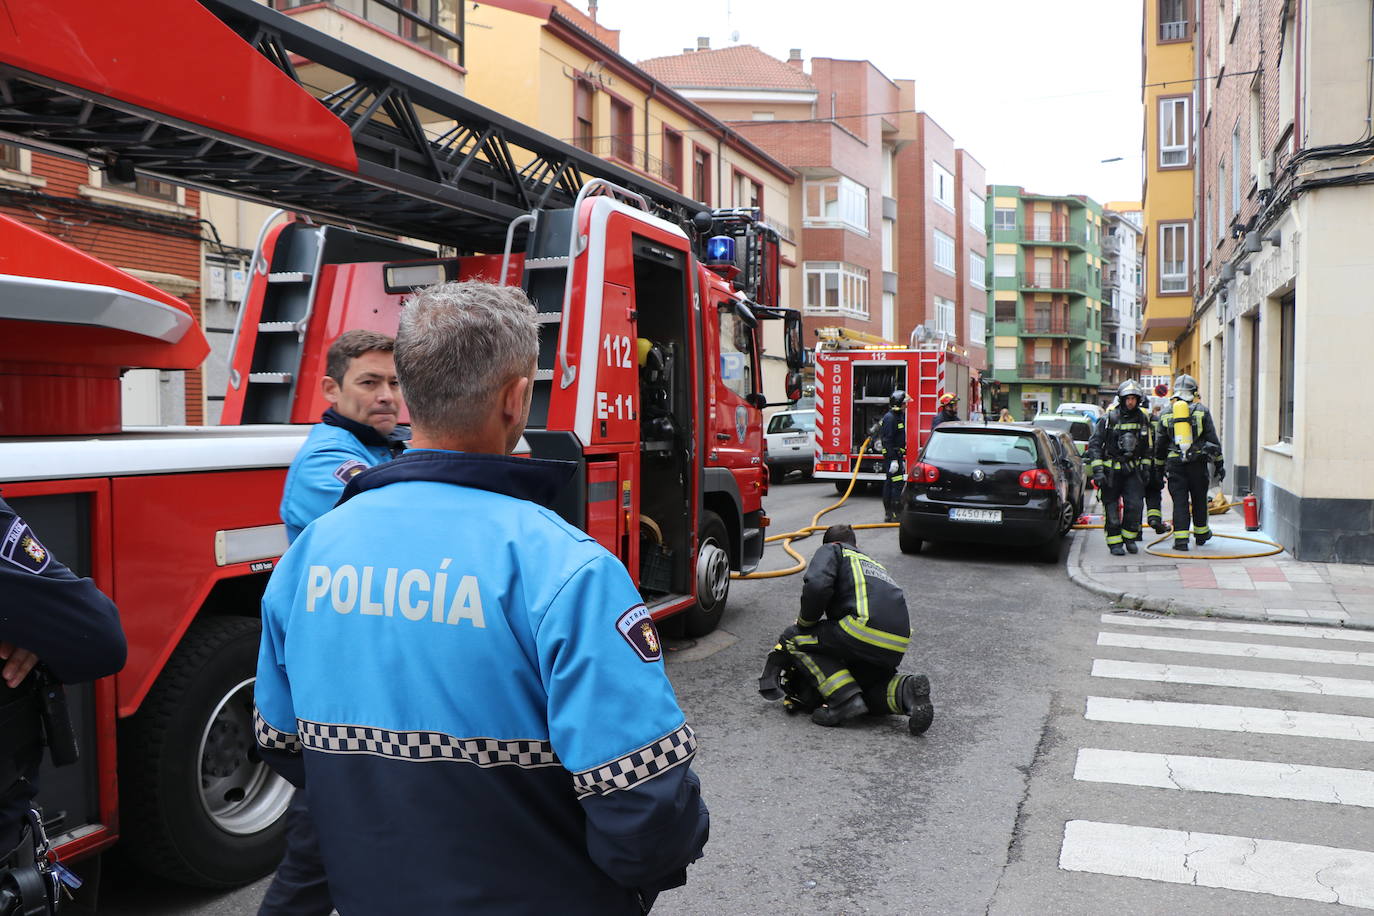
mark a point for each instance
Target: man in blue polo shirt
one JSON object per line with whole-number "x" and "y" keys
{"x": 357, "y": 431}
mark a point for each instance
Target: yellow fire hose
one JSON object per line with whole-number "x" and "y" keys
{"x": 1216, "y": 506}
{"x": 810, "y": 529}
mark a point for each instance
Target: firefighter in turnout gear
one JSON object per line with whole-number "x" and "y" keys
{"x": 892, "y": 437}
{"x": 1190, "y": 449}
{"x": 849, "y": 638}
{"x": 1154, "y": 483}
{"x": 1120, "y": 454}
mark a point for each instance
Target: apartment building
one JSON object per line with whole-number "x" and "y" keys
{"x": 1046, "y": 299}
{"x": 1124, "y": 355}
{"x": 887, "y": 243}
{"x": 1285, "y": 255}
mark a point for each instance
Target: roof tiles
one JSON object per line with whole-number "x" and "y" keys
{"x": 737, "y": 67}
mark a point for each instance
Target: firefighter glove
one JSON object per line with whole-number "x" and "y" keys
{"x": 894, "y": 466}
{"x": 1221, "y": 473}
{"x": 1099, "y": 477}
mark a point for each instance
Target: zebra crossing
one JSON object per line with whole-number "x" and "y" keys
{"x": 1282, "y": 700}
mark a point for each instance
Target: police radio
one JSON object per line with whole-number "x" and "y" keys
{"x": 56, "y": 718}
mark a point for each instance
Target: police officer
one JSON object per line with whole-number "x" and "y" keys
{"x": 892, "y": 435}
{"x": 949, "y": 410}
{"x": 357, "y": 431}
{"x": 1191, "y": 450}
{"x": 850, "y": 636}
{"x": 463, "y": 682}
{"x": 1119, "y": 454}
{"x": 50, "y": 618}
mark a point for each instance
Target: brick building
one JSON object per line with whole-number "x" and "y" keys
{"x": 149, "y": 229}
{"x": 886, "y": 239}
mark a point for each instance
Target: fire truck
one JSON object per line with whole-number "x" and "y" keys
{"x": 856, "y": 374}
{"x": 648, "y": 375}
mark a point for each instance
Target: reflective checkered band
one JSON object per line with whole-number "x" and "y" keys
{"x": 637, "y": 766}
{"x": 269, "y": 737}
{"x": 425, "y": 746}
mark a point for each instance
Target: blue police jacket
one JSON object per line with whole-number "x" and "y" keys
{"x": 473, "y": 695}
{"x": 336, "y": 449}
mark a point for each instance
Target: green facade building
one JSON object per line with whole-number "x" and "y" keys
{"x": 1044, "y": 284}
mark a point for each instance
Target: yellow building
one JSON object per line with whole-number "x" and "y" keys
{"x": 1169, "y": 64}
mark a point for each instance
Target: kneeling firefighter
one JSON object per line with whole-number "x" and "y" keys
{"x": 1120, "y": 455}
{"x": 892, "y": 437}
{"x": 844, "y": 666}
{"x": 1191, "y": 450}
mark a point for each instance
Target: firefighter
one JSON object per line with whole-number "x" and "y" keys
{"x": 1191, "y": 451}
{"x": 1154, "y": 483}
{"x": 949, "y": 409}
{"x": 357, "y": 431}
{"x": 849, "y": 661}
{"x": 503, "y": 731}
{"x": 892, "y": 437}
{"x": 1120, "y": 454}
{"x": 69, "y": 631}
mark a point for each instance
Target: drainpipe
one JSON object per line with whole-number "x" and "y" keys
{"x": 653, "y": 88}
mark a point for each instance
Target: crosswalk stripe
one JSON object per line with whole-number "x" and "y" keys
{"x": 1258, "y": 629}
{"x": 1258, "y": 778}
{"x": 1233, "y": 677}
{"x": 1235, "y": 649}
{"x": 1252, "y": 719}
{"x": 1298, "y": 870}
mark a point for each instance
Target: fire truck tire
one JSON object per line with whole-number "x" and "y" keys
{"x": 713, "y": 577}
{"x": 197, "y": 804}
{"x": 842, "y": 485}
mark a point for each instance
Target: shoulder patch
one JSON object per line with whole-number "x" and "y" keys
{"x": 21, "y": 548}
{"x": 639, "y": 631}
{"x": 348, "y": 470}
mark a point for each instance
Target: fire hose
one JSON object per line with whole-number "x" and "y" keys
{"x": 1215, "y": 506}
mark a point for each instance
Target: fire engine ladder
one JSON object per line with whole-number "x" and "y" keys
{"x": 461, "y": 187}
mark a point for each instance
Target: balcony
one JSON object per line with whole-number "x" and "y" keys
{"x": 1145, "y": 358}
{"x": 1173, "y": 31}
{"x": 1053, "y": 372}
{"x": 1053, "y": 235}
{"x": 1034, "y": 326}
{"x": 1109, "y": 280}
{"x": 1056, "y": 281}
{"x": 623, "y": 153}
{"x": 1111, "y": 245}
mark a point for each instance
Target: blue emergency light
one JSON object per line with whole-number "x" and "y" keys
{"x": 720, "y": 249}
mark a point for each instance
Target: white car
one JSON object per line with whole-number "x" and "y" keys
{"x": 1092, "y": 412}
{"x": 789, "y": 443}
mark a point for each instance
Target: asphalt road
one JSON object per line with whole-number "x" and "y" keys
{"x": 970, "y": 817}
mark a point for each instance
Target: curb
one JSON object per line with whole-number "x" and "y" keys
{"x": 1129, "y": 601}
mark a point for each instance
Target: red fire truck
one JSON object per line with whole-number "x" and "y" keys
{"x": 856, "y": 374}
{"x": 648, "y": 375}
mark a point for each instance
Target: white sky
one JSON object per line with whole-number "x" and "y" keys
{"x": 1039, "y": 93}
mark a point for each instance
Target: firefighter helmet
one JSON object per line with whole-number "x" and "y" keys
{"x": 1127, "y": 389}
{"x": 1185, "y": 387}
{"x": 947, "y": 399}
{"x": 897, "y": 400}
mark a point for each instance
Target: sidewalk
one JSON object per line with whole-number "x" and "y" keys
{"x": 1272, "y": 588}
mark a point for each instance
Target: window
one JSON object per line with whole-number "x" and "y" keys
{"x": 736, "y": 354}
{"x": 836, "y": 201}
{"x": 582, "y": 114}
{"x": 9, "y": 157}
{"x": 1004, "y": 220}
{"x": 1004, "y": 310}
{"x": 1208, "y": 228}
{"x": 1287, "y": 331}
{"x": 762, "y": 116}
{"x": 977, "y": 270}
{"x": 944, "y": 315}
{"x": 1235, "y": 170}
{"x": 1173, "y": 257}
{"x": 1004, "y": 265}
{"x": 443, "y": 35}
{"x": 622, "y": 131}
{"x": 1004, "y": 358}
{"x": 1173, "y": 20}
{"x": 672, "y": 157}
{"x": 1174, "y": 130}
{"x": 1221, "y": 200}
{"x": 151, "y": 187}
{"x": 977, "y": 327}
{"x": 701, "y": 175}
{"x": 1257, "y": 169}
{"x": 944, "y": 252}
{"x": 888, "y": 243}
{"x": 748, "y": 192}
{"x": 977, "y": 212}
{"x": 834, "y": 286}
{"x": 942, "y": 183}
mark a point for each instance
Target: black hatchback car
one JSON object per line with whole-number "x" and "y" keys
{"x": 998, "y": 483}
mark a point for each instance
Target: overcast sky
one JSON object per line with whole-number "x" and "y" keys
{"x": 1039, "y": 93}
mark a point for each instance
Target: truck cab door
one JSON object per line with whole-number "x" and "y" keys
{"x": 735, "y": 434}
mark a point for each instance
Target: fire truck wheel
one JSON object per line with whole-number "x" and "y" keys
{"x": 713, "y": 577}
{"x": 197, "y": 803}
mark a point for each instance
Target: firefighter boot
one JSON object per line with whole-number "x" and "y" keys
{"x": 1118, "y": 551}
{"x": 1131, "y": 547}
{"x": 1160, "y": 526}
{"x": 841, "y": 712}
{"x": 1180, "y": 543}
{"x": 915, "y": 696}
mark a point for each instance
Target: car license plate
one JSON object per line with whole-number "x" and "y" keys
{"x": 794, "y": 440}
{"x": 987, "y": 516}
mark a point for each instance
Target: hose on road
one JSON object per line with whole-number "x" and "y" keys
{"x": 1217, "y": 506}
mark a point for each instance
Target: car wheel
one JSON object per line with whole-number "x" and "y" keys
{"x": 842, "y": 485}
{"x": 907, "y": 540}
{"x": 776, "y": 475}
{"x": 713, "y": 577}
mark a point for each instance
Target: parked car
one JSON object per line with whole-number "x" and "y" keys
{"x": 790, "y": 443}
{"x": 1068, "y": 453}
{"x": 1091, "y": 412}
{"x": 1004, "y": 483}
{"x": 1078, "y": 428}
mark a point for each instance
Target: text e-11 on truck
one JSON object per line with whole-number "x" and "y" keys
{"x": 648, "y": 375}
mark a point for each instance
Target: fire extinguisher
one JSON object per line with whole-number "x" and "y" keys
{"x": 1251, "y": 506}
